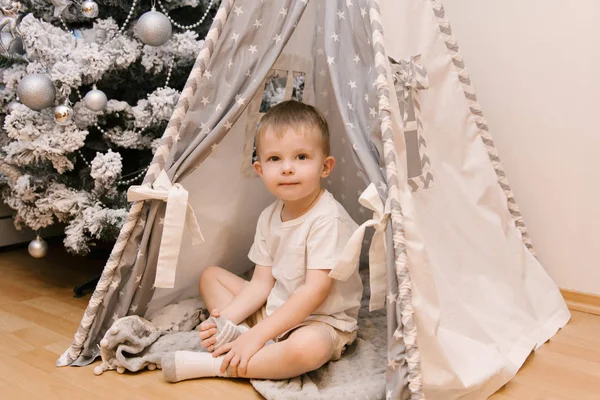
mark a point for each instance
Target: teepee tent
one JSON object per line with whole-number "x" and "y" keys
{"x": 451, "y": 261}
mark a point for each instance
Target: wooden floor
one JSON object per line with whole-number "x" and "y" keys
{"x": 38, "y": 317}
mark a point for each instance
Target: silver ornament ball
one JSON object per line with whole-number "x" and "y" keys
{"x": 90, "y": 9}
{"x": 63, "y": 114}
{"x": 153, "y": 28}
{"x": 36, "y": 91}
{"x": 11, "y": 44}
{"x": 38, "y": 248}
{"x": 95, "y": 100}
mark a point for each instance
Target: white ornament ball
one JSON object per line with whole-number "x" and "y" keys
{"x": 95, "y": 100}
{"x": 38, "y": 248}
{"x": 104, "y": 343}
{"x": 153, "y": 28}
{"x": 63, "y": 114}
{"x": 36, "y": 91}
{"x": 90, "y": 9}
{"x": 121, "y": 370}
{"x": 151, "y": 367}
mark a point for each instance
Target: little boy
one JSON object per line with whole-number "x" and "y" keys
{"x": 291, "y": 317}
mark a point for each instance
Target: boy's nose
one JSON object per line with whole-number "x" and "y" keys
{"x": 287, "y": 168}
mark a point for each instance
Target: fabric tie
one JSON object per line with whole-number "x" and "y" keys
{"x": 409, "y": 77}
{"x": 349, "y": 259}
{"x": 409, "y": 74}
{"x": 177, "y": 214}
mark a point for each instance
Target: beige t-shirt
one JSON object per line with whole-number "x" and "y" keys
{"x": 313, "y": 241}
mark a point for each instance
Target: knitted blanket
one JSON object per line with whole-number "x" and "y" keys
{"x": 134, "y": 343}
{"x": 358, "y": 375}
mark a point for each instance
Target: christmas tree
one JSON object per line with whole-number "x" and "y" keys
{"x": 86, "y": 91}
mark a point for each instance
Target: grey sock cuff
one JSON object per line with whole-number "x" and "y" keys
{"x": 169, "y": 369}
{"x": 220, "y": 322}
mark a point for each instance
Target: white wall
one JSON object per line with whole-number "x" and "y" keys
{"x": 535, "y": 66}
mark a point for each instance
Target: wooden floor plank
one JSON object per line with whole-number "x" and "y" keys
{"x": 38, "y": 382}
{"x": 59, "y": 347}
{"x": 11, "y": 293}
{"x": 57, "y": 307}
{"x": 11, "y": 391}
{"x": 38, "y": 336}
{"x": 11, "y": 345}
{"x": 39, "y": 316}
{"x": 109, "y": 384}
{"x": 10, "y": 322}
{"x": 41, "y": 359}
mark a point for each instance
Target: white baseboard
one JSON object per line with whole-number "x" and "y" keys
{"x": 9, "y": 235}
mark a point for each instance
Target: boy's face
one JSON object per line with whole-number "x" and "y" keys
{"x": 293, "y": 165}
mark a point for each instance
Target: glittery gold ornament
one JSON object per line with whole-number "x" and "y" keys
{"x": 63, "y": 114}
{"x": 90, "y": 9}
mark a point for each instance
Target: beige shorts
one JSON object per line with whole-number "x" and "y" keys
{"x": 341, "y": 340}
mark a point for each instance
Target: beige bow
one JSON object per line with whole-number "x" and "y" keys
{"x": 178, "y": 214}
{"x": 349, "y": 259}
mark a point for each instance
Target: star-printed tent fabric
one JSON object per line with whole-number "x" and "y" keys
{"x": 451, "y": 260}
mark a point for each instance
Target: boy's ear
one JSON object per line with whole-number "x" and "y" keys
{"x": 258, "y": 168}
{"x": 328, "y": 165}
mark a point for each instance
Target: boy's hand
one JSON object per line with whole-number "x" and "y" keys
{"x": 239, "y": 352}
{"x": 208, "y": 331}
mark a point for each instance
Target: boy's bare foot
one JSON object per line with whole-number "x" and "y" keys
{"x": 217, "y": 331}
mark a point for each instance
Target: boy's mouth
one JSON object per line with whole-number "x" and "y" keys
{"x": 288, "y": 183}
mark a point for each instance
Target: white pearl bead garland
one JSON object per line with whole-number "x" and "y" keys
{"x": 113, "y": 137}
{"x": 129, "y": 15}
{"x": 83, "y": 158}
{"x": 133, "y": 135}
{"x": 169, "y": 72}
{"x": 187, "y": 27}
{"x": 120, "y": 182}
{"x": 127, "y": 182}
{"x": 62, "y": 21}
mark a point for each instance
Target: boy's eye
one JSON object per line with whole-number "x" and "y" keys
{"x": 302, "y": 157}
{"x": 273, "y": 158}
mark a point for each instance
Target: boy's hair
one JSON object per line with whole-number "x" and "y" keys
{"x": 293, "y": 114}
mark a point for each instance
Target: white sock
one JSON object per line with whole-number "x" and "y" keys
{"x": 182, "y": 365}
